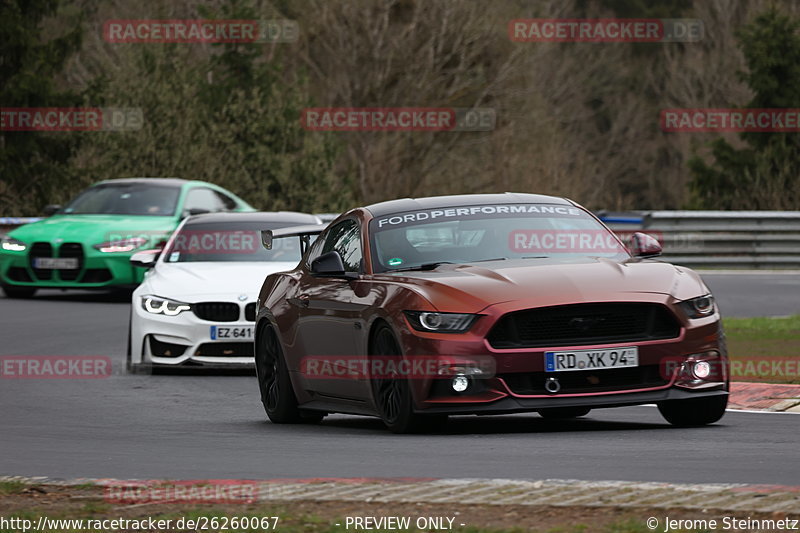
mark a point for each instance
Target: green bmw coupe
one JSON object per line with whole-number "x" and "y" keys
{"x": 88, "y": 243}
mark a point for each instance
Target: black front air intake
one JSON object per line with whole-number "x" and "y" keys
{"x": 217, "y": 311}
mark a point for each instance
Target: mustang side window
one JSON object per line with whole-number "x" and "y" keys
{"x": 345, "y": 238}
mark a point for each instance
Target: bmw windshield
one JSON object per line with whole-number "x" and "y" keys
{"x": 426, "y": 238}
{"x": 143, "y": 199}
{"x": 231, "y": 242}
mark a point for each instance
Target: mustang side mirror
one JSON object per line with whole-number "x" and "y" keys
{"x": 50, "y": 210}
{"x": 145, "y": 259}
{"x": 330, "y": 265}
{"x": 644, "y": 245}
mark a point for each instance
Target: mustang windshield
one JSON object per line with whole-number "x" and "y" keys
{"x": 423, "y": 239}
{"x": 125, "y": 199}
{"x": 230, "y": 241}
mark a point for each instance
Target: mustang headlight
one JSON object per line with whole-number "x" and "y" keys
{"x": 121, "y": 245}
{"x": 699, "y": 307}
{"x": 163, "y": 306}
{"x": 440, "y": 322}
{"x": 13, "y": 245}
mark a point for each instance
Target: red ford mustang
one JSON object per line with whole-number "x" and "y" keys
{"x": 416, "y": 309}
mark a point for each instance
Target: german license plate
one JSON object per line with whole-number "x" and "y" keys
{"x": 227, "y": 332}
{"x": 591, "y": 359}
{"x": 52, "y": 263}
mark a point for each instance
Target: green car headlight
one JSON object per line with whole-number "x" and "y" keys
{"x": 163, "y": 306}
{"x": 13, "y": 245}
{"x": 121, "y": 245}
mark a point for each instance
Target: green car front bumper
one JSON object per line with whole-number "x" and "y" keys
{"x": 96, "y": 270}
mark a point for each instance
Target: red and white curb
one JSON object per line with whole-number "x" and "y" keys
{"x": 768, "y": 397}
{"x": 549, "y": 492}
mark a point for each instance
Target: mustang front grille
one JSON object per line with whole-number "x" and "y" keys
{"x": 584, "y": 324}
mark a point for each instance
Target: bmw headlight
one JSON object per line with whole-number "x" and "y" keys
{"x": 121, "y": 245}
{"x": 163, "y": 306}
{"x": 699, "y": 307}
{"x": 13, "y": 245}
{"x": 436, "y": 322}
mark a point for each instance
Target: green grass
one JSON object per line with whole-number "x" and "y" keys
{"x": 12, "y": 487}
{"x": 754, "y": 339}
{"x": 787, "y": 328}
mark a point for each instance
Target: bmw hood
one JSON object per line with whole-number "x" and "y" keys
{"x": 94, "y": 229}
{"x": 205, "y": 281}
{"x": 477, "y": 285}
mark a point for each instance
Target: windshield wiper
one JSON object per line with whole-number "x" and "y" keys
{"x": 423, "y": 266}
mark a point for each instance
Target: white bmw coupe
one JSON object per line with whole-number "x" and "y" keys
{"x": 197, "y": 303}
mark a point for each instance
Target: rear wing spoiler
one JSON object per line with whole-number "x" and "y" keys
{"x": 303, "y": 232}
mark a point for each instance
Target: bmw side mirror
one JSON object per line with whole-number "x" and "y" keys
{"x": 145, "y": 259}
{"x": 330, "y": 265}
{"x": 644, "y": 245}
{"x": 50, "y": 210}
{"x": 194, "y": 211}
{"x": 266, "y": 238}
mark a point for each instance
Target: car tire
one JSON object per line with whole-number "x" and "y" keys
{"x": 275, "y": 386}
{"x": 392, "y": 396}
{"x": 19, "y": 292}
{"x": 694, "y": 412}
{"x": 563, "y": 413}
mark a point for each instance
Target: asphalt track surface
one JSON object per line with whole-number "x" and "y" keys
{"x": 211, "y": 426}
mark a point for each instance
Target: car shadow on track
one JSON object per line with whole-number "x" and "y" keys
{"x": 495, "y": 425}
{"x": 195, "y": 371}
{"x": 52, "y": 295}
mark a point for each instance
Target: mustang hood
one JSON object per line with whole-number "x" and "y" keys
{"x": 94, "y": 229}
{"x": 478, "y": 285}
{"x": 201, "y": 281}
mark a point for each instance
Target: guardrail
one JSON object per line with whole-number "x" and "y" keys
{"x": 705, "y": 239}
{"x": 719, "y": 239}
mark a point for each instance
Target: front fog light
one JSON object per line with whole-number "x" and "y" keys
{"x": 701, "y": 369}
{"x": 460, "y": 383}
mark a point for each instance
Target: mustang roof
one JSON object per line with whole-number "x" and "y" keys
{"x": 436, "y": 202}
{"x": 290, "y": 217}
